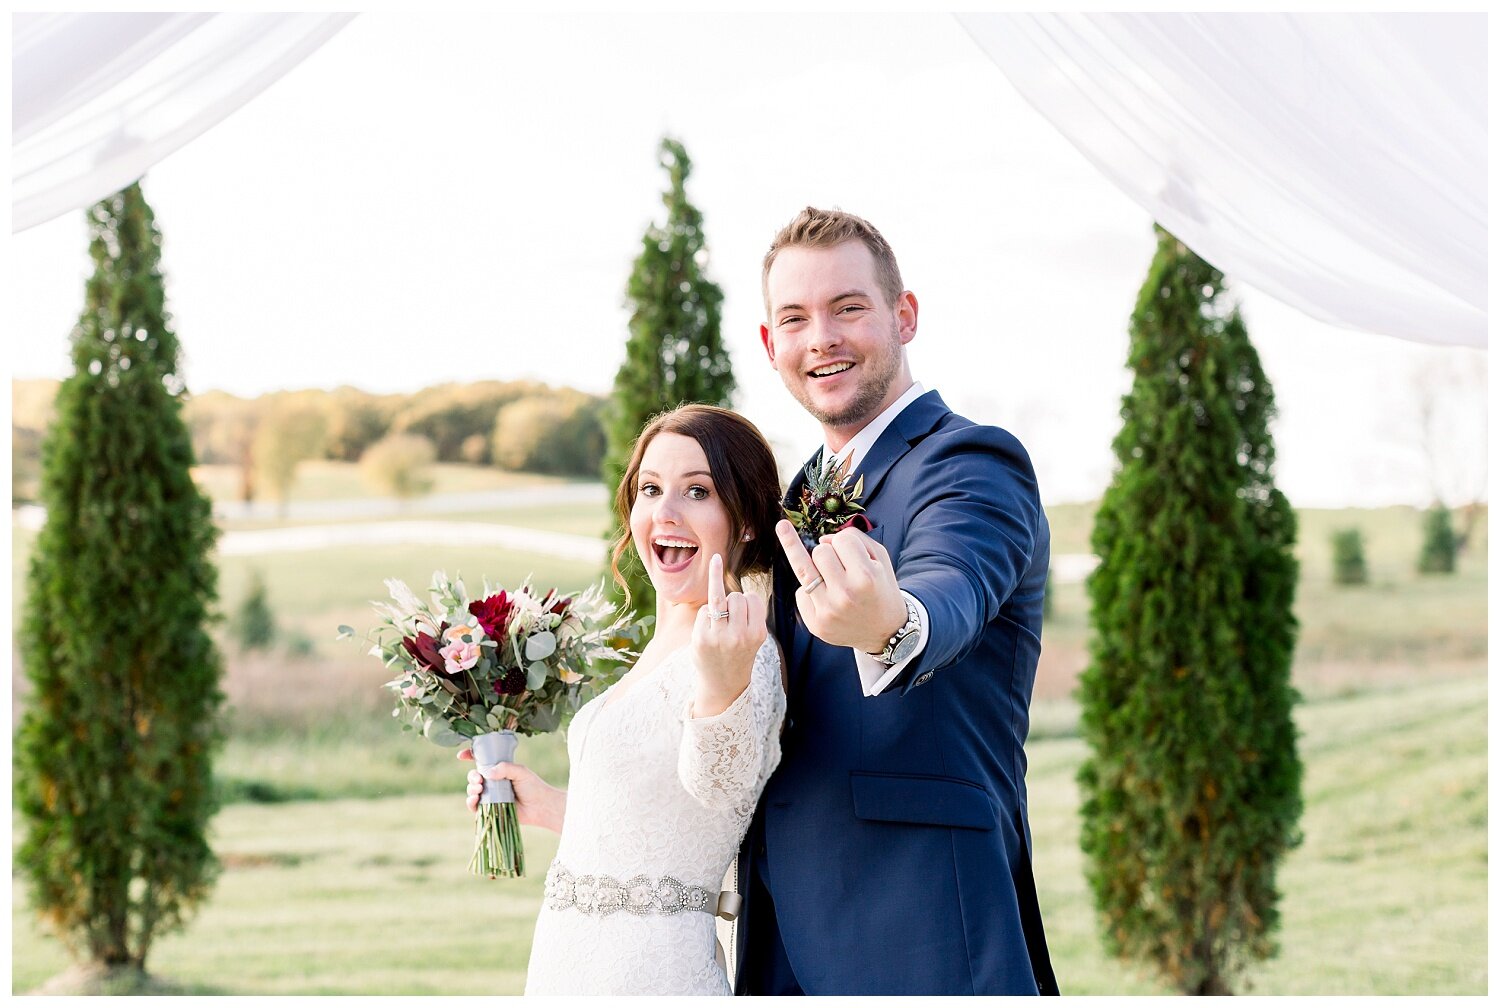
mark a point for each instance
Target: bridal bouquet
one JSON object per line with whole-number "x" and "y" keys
{"x": 482, "y": 670}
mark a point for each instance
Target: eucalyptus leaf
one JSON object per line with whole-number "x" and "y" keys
{"x": 536, "y": 675}
{"x": 492, "y": 720}
{"x": 437, "y": 731}
{"x": 345, "y": 632}
{"x": 545, "y": 719}
{"x": 540, "y": 645}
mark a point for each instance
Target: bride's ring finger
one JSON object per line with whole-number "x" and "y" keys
{"x": 734, "y": 605}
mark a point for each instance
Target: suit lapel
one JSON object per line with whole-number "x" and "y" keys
{"x": 909, "y": 427}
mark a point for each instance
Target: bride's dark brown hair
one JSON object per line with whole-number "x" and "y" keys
{"x": 744, "y": 474}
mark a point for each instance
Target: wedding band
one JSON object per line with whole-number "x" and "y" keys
{"x": 813, "y": 583}
{"x": 719, "y": 615}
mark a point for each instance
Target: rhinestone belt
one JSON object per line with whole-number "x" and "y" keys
{"x": 603, "y": 895}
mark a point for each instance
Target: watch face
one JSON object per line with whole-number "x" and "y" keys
{"x": 904, "y": 647}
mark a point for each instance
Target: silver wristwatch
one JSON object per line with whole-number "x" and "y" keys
{"x": 905, "y": 640}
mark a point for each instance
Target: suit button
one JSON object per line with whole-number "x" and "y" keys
{"x": 922, "y": 678}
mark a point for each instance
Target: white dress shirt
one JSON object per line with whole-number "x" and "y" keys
{"x": 874, "y": 675}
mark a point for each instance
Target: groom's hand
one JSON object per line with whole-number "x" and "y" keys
{"x": 848, "y": 595}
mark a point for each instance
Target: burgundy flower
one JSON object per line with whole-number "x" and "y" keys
{"x": 493, "y": 614}
{"x": 513, "y": 682}
{"x": 424, "y": 648}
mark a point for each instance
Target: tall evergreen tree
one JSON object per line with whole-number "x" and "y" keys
{"x": 112, "y": 758}
{"x": 675, "y": 353}
{"x": 1192, "y": 785}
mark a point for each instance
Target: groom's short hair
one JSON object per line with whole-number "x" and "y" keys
{"x": 814, "y": 228}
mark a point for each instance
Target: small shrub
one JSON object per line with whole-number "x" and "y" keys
{"x": 1349, "y": 557}
{"x": 254, "y": 625}
{"x": 1439, "y": 543}
{"x": 298, "y": 645}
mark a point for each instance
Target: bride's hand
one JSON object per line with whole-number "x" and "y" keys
{"x": 537, "y": 802}
{"x": 724, "y": 648}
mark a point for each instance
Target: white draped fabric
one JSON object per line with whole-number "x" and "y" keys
{"x": 1337, "y": 162}
{"x": 96, "y": 99}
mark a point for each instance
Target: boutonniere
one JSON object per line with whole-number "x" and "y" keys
{"x": 828, "y": 503}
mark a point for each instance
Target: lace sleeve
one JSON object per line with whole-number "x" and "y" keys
{"x": 725, "y": 759}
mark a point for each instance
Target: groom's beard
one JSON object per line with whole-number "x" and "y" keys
{"x": 870, "y": 394}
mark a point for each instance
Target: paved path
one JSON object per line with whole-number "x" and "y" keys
{"x": 426, "y": 533}
{"x": 374, "y": 507}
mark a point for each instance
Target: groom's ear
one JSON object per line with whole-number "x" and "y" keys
{"x": 765, "y": 341}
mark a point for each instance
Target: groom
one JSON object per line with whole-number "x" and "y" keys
{"x": 890, "y": 853}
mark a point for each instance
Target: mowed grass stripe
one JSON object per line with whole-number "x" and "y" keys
{"x": 1387, "y": 894}
{"x": 1388, "y": 891}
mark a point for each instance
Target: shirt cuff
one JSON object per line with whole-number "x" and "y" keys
{"x": 875, "y": 675}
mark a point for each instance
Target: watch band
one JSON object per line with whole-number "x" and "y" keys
{"x": 912, "y": 628}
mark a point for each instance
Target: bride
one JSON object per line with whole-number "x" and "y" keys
{"x": 668, "y": 763}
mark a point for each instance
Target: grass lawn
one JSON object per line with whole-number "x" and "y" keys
{"x": 352, "y": 896}
{"x": 345, "y": 843}
{"x": 367, "y": 893}
{"x": 591, "y": 520}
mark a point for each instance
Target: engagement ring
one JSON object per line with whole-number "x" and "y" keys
{"x": 719, "y": 615}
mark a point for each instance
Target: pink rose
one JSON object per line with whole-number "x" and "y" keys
{"x": 460, "y": 657}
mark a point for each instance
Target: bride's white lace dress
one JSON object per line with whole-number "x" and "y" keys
{"x": 655, "y": 798}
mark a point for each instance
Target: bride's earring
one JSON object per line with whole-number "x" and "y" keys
{"x": 745, "y": 537}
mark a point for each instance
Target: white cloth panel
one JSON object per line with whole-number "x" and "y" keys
{"x": 1337, "y": 162}
{"x": 97, "y": 99}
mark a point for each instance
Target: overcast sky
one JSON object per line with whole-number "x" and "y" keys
{"x": 458, "y": 197}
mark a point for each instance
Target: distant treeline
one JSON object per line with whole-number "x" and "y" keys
{"x": 517, "y": 425}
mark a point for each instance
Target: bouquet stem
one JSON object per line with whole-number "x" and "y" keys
{"x": 497, "y": 843}
{"x": 497, "y": 834}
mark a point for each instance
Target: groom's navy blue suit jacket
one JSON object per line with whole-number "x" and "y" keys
{"x": 895, "y": 834}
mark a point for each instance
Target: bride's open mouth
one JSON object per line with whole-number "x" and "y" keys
{"x": 673, "y": 554}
